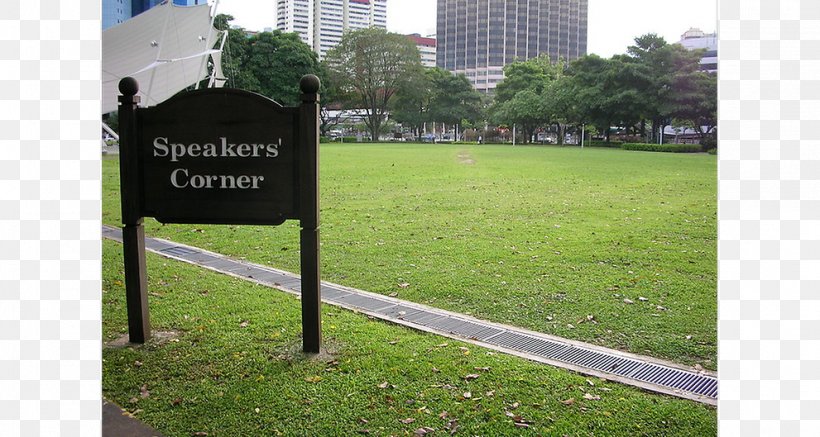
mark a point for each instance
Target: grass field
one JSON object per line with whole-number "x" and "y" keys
{"x": 607, "y": 246}
{"x": 232, "y": 368}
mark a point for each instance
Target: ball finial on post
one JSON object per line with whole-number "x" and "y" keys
{"x": 129, "y": 86}
{"x": 310, "y": 84}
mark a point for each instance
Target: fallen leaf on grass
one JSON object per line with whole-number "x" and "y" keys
{"x": 144, "y": 393}
{"x": 521, "y": 424}
{"x": 404, "y": 285}
{"x": 569, "y": 401}
{"x": 408, "y": 420}
{"x": 490, "y": 393}
{"x": 313, "y": 379}
{"x": 385, "y": 384}
{"x": 467, "y": 395}
{"x": 591, "y": 397}
{"x": 363, "y": 431}
{"x": 590, "y": 383}
{"x": 483, "y": 369}
{"x": 176, "y": 401}
{"x": 642, "y": 299}
{"x": 137, "y": 363}
{"x": 244, "y": 324}
{"x": 435, "y": 370}
{"x": 471, "y": 377}
{"x": 629, "y": 301}
{"x": 423, "y": 431}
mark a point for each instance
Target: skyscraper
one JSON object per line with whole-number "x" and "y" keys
{"x": 320, "y": 23}
{"x": 479, "y": 37}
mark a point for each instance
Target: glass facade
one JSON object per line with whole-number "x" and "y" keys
{"x": 478, "y": 37}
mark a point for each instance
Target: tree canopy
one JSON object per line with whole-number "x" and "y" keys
{"x": 269, "y": 63}
{"x": 374, "y": 65}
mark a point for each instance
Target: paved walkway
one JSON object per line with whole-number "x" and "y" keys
{"x": 118, "y": 423}
{"x": 640, "y": 371}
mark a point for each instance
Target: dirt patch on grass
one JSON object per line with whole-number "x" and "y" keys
{"x": 158, "y": 338}
{"x": 464, "y": 157}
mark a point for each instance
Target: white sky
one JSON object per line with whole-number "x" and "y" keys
{"x": 613, "y": 24}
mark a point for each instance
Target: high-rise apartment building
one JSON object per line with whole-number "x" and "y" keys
{"x": 479, "y": 37}
{"x": 320, "y": 23}
{"x": 427, "y": 48}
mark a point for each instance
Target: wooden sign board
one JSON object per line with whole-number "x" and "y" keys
{"x": 231, "y": 150}
{"x": 219, "y": 156}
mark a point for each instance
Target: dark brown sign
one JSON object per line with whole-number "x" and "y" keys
{"x": 230, "y": 150}
{"x": 220, "y": 156}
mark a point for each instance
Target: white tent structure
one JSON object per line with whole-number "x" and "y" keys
{"x": 165, "y": 48}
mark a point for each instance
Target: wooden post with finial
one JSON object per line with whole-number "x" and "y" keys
{"x": 133, "y": 233}
{"x": 309, "y": 213}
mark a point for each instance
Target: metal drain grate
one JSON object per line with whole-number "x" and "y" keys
{"x": 678, "y": 379}
{"x": 598, "y": 361}
{"x": 179, "y": 251}
{"x": 525, "y": 343}
{"x": 365, "y": 302}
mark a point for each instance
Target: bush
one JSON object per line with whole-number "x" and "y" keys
{"x": 709, "y": 142}
{"x": 712, "y": 151}
{"x": 673, "y": 148}
{"x": 601, "y": 143}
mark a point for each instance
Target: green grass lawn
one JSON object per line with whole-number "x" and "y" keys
{"x": 607, "y": 246}
{"x": 233, "y": 369}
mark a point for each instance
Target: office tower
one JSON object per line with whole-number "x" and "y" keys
{"x": 479, "y": 37}
{"x": 320, "y": 23}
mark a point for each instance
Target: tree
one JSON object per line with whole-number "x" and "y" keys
{"x": 268, "y": 63}
{"x": 695, "y": 101}
{"x": 235, "y": 55}
{"x": 454, "y": 99}
{"x": 525, "y": 109}
{"x": 374, "y": 64}
{"x": 521, "y": 97}
{"x": 412, "y": 103}
{"x": 278, "y": 61}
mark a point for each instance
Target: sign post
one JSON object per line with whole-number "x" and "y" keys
{"x": 133, "y": 233}
{"x": 309, "y": 196}
{"x": 220, "y": 156}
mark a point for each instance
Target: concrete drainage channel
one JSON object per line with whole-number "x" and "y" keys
{"x": 645, "y": 372}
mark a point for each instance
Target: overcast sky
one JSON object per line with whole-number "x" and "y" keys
{"x": 613, "y": 25}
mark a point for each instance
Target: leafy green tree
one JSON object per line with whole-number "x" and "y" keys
{"x": 412, "y": 103}
{"x": 268, "y": 63}
{"x": 522, "y": 97}
{"x": 235, "y": 55}
{"x": 454, "y": 99}
{"x": 525, "y": 109}
{"x": 278, "y": 61}
{"x": 374, "y": 64}
{"x": 533, "y": 73}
